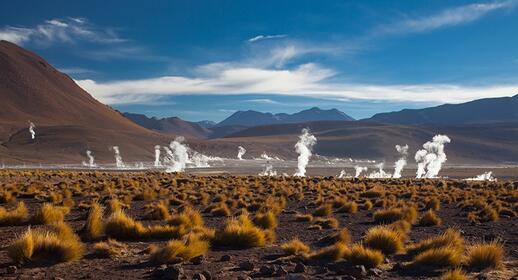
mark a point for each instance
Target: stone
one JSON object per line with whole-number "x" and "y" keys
{"x": 296, "y": 277}
{"x": 247, "y": 265}
{"x": 174, "y": 272}
{"x": 299, "y": 268}
{"x": 348, "y": 277}
{"x": 207, "y": 274}
{"x": 225, "y": 258}
{"x": 375, "y": 271}
{"x": 199, "y": 276}
{"x": 266, "y": 270}
{"x": 11, "y": 269}
{"x": 280, "y": 271}
{"x": 198, "y": 260}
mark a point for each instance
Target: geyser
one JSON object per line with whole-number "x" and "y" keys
{"x": 176, "y": 155}
{"x": 430, "y": 159}
{"x": 401, "y": 162}
{"x": 118, "y": 159}
{"x": 240, "y": 152}
{"x": 157, "y": 156}
{"x": 31, "y": 129}
{"x": 358, "y": 170}
{"x": 91, "y": 162}
{"x": 380, "y": 173}
{"x": 303, "y": 147}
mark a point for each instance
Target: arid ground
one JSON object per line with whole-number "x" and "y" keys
{"x": 234, "y": 227}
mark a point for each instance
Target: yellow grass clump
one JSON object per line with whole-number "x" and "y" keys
{"x": 241, "y": 233}
{"x": 109, "y": 249}
{"x": 176, "y": 251}
{"x": 456, "y": 274}
{"x": 49, "y": 214}
{"x": 303, "y": 217}
{"x": 387, "y": 216}
{"x": 266, "y": 220}
{"x": 189, "y": 218}
{"x": 482, "y": 256}
{"x": 295, "y": 247}
{"x": 334, "y": 252}
{"x": 383, "y": 239}
{"x": 430, "y": 218}
{"x": 17, "y": 216}
{"x": 324, "y": 210}
{"x": 360, "y": 255}
{"x": 450, "y": 238}
{"x": 439, "y": 258}
{"x": 94, "y": 226}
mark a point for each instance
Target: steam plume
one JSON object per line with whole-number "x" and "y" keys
{"x": 358, "y": 170}
{"x": 118, "y": 158}
{"x": 177, "y": 156}
{"x": 240, "y": 152}
{"x": 91, "y": 162}
{"x": 31, "y": 129}
{"x": 430, "y": 159}
{"x": 303, "y": 148}
{"x": 268, "y": 171}
{"x": 343, "y": 174}
{"x": 380, "y": 173}
{"x": 486, "y": 176}
{"x": 157, "y": 156}
{"x": 401, "y": 162}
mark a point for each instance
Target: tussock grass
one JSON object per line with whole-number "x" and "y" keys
{"x": 430, "y": 218}
{"x": 109, "y": 249}
{"x": 450, "y": 238}
{"x": 49, "y": 214}
{"x": 241, "y": 233}
{"x": 176, "y": 251}
{"x": 388, "y": 216}
{"x": 295, "y": 247}
{"x": 266, "y": 220}
{"x": 348, "y": 207}
{"x": 456, "y": 274}
{"x": 330, "y": 222}
{"x": 482, "y": 256}
{"x": 439, "y": 258}
{"x": 189, "y": 218}
{"x": 360, "y": 255}
{"x": 94, "y": 226}
{"x": 334, "y": 252}
{"x": 17, "y": 216}
{"x": 383, "y": 239}
{"x": 303, "y": 217}
{"x": 59, "y": 245}
{"x": 122, "y": 227}
{"x": 221, "y": 210}
{"x": 324, "y": 210}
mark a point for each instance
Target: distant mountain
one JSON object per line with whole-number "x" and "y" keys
{"x": 172, "y": 125}
{"x": 253, "y": 118}
{"x": 207, "y": 123}
{"x": 487, "y": 110}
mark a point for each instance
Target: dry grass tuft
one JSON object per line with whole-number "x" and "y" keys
{"x": 110, "y": 248}
{"x": 430, "y": 218}
{"x": 241, "y": 233}
{"x": 190, "y": 218}
{"x": 49, "y": 214}
{"x": 177, "y": 251}
{"x": 17, "y": 216}
{"x": 439, "y": 258}
{"x": 482, "y": 256}
{"x": 122, "y": 227}
{"x": 359, "y": 255}
{"x": 388, "y": 216}
{"x": 334, "y": 252}
{"x": 450, "y": 238}
{"x": 324, "y": 210}
{"x": 295, "y": 247}
{"x": 303, "y": 217}
{"x": 94, "y": 226}
{"x": 456, "y": 274}
{"x": 383, "y": 239}
{"x": 266, "y": 220}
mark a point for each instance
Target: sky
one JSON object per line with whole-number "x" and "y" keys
{"x": 207, "y": 59}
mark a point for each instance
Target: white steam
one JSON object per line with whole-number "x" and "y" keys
{"x": 303, "y": 148}
{"x": 358, "y": 170}
{"x": 176, "y": 155}
{"x": 486, "y": 176}
{"x": 430, "y": 159}
{"x": 157, "y": 156}
{"x": 401, "y": 162}
{"x": 31, "y": 130}
{"x": 91, "y": 162}
{"x": 268, "y": 171}
{"x": 343, "y": 175}
{"x": 240, "y": 152}
{"x": 118, "y": 159}
{"x": 380, "y": 173}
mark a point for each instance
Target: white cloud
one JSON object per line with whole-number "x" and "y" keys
{"x": 304, "y": 80}
{"x": 266, "y": 37}
{"x": 263, "y": 101}
{"x": 68, "y": 30}
{"x": 449, "y": 17}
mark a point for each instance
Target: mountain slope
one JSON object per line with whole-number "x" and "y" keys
{"x": 173, "y": 125}
{"x": 487, "y": 110}
{"x": 253, "y": 118}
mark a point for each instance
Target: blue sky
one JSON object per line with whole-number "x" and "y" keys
{"x": 205, "y": 59}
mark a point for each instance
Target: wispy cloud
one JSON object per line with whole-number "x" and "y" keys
{"x": 60, "y": 30}
{"x": 309, "y": 80}
{"x": 266, "y": 37}
{"x": 445, "y": 18}
{"x": 263, "y": 101}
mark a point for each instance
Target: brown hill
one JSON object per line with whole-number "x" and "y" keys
{"x": 496, "y": 143}
{"x": 172, "y": 125}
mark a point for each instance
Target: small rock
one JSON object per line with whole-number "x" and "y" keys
{"x": 296, "y": 277}
{"x": 299, "y": 268}
{"x": 322, "y": 270}
{"x": 57, "y": 278}
{"x": 266, "y": 270}
{"x": 245, "y": 277}
{"x": 348, "y": 277}
{"x": 199, "y": 276}
{"x": 174, "y": 272}
{"x": 482, "y": 276}
{"x": 225, "y": 258}
{"x": 198, "y": 260}
{"x": 247, "y": 265}
{"x": 207, "y": 274}
{"x": 12, "y": 269}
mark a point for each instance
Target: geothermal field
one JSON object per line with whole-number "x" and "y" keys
{"x": 190, "y": 216}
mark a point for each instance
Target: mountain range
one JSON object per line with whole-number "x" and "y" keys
{"x": 70, "y": 121}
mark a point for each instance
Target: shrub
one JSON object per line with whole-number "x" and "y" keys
{"x": 221, "y": 211}
{"x": 303, "y": 217}
{"x": 110, "y": 248}
{"x": 430, "y": 218}
{"x": 326, "y": 222}
{"x": 433, "y": 204}
{"x": 122, "y": 227}
{"x": 177, "y": 251}
{"x": 6, "y": 197}
{"x": 295, "y": 247}
{"x": 324, "y": 210}
{"x": 17, "y": 216}
{"x": 456, "y": 274}
{"x": 450, "y": 238}
{"x": 266, "y": 220}
{"x": 388, "y": 216}
{"x": 189, "y": 218}
{"x": 334, "y": 252}
{"x": 439, "y": 258}
{"x": 349, "y": 207}
{"x": 482, "y": 256}
{"x": 383, "y": 239}
{"x": 49, "y": 214}
{"x": 241, "y": 233}
{"x": 359, "y": 255}
{"x": 159, "y": 211}
{"x": 94, "y": 226}
{"x": 45, "y": 246}
{"x": 401, "y": 226}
